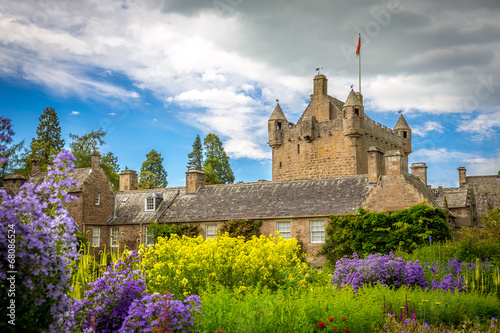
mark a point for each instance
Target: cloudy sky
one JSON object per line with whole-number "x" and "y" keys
{"x": 155, "y": 73}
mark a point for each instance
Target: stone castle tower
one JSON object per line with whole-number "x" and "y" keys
{"x": 332, "y": 138}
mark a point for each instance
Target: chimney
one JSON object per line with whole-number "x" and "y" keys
{"x": 35, "y": 166}
{"x": 195, "y": 179}
{"x": 462, "y": 177}
{"x": 96, "y": 157}
{"x": 374, "y": 164}
{"x": 393, "y": 163}
{"x": 320, "y": 85}
{"x": 128, "y": 180}
{"x": 420, "y": 170}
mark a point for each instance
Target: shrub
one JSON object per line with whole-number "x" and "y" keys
{"x": 188, "y": 265}
{"x": 244, "y": 228}
{"x": 167, "y": 229}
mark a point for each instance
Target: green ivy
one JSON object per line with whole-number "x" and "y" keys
{"x": 367, "y": 233}
{"x": 244, "y": 227}
{"x": 167, "y": 229}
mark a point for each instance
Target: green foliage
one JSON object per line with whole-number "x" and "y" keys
{"x": 14, "y": 162}
{"x": 477, "y": 244}
{"x": 48, "y": 142}
{"x": 196, "y": 156}
{"x": 82, "y": 240}
{"x": 491, "y": 223}
{"x": 153, "y": 175}
{"x": 167, "y": 229}
{"x": 82, "y": 147}
{"x": 216, "y": 166}
{"x": 245, "y": 228}
{"x": 367, "y": 233}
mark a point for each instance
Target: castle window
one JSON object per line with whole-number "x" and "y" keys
{"x": 97, "y": 199}
{"x": 405, "y": 134}
{"x": 210, "y": 231}
{"x": 150, "y": 204}
{"x": 356, "y": 111}
{"x": 284, "y": 229}
{"x": 278, "y": 125}
{"x": 317, "y": 231}
{"x": 115, "y": 236}
{"x": 96, "y": 236}
{"x": 150, "y": 238}
{"x": 298, "y": 149}
{"x": 280, "y": 165}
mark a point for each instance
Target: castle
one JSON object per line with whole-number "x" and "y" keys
{"x": 334, "y": 160}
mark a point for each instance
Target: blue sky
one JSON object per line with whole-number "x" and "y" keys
{"x": 155, "y": 73}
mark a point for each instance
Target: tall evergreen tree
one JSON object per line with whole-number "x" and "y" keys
{"x": 82, "y": 146}
{"x": 48, "y": 142}
{"x": 216, "y": 166}
{"x": 152, "y": 174}
{"x": 196, "y": 156}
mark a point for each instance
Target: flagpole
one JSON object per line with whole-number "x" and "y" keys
{"x": 359, "y": 62}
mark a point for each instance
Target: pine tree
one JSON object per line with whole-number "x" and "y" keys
{"x": 216, "y": 166}
{"x": 82, "y": 147}
{"x": 152, "y": 174}
{"x": 196, "y": 156}
{"x": 48, "y": 142}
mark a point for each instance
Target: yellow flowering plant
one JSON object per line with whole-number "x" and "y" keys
{"x": 188, "y": 265}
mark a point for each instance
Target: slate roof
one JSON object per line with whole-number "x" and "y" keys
{"x": 286, "y": 199}
{"x": 456, "y": 197}
{"x": 419, "y": 184}
{"x": 130, "y": 205}
{"x": 80, "y": 175}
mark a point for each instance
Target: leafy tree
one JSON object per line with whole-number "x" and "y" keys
{"x": 196, "y": 156}
{"x": 216, "y": 166}
{"x": 153, "y": 175}
{"x": 48, "y": 142}
{"x": 14, "y": 163}
{"x": 82, "y": 147}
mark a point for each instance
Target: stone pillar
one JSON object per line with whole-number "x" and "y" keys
{"x": 195, "y": 180}
{"x": 420, "y": 170}
{"x": 374, "y": 164}
{"x": 128, "y": 180}
{"x": 393, "y": 163}
{"x": 35, "y": 165}
{"x": 96, "y": 160}
{"x": 462, "y": 176}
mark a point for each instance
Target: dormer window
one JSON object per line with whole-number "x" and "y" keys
{"x": 152, "y": 202}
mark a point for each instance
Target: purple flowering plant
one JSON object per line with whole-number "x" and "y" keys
{"x": 38, "y": 245}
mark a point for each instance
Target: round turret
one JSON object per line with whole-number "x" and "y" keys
{"x": 275, "y": 126}
{"x": 404, "y": 131}
{"x": 353, "y": 114}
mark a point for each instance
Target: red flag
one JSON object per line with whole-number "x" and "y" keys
{"x": 359, "y": 45}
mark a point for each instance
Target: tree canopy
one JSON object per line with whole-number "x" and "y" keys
{"x": 153, "y": 174}
{"x": 196, "y": 156}
{"x": 82, "y": 147}
{"x": 48, "y": 142}
{"x": 216, "y": 165}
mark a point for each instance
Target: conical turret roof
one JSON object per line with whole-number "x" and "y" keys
{"x": 352, "y": 100}
{"x": 277, "y": 114}
{"x": 401, "y": 123}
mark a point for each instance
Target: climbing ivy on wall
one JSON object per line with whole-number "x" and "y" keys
{"x": 167, "y": 229}
{"x": 244, "y": 227}
{"x": 383, "y": 232}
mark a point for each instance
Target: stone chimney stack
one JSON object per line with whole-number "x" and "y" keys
{"x": 320, "y": 85}
{"x": 462, "y": 180}
{"x": 128, "y": 180}
{"x": 96, "y": 160}
{"x": 35, "y": 166}
{"x": 393, "y": 163}
{"x": 375, "y": 159}
{"x": 420, "y": 170}
{"x": 195, "y": 180}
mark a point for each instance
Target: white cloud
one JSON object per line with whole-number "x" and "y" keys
{"x": 75, "y": 113}
{"x": 484, "y": 166}
{"x": 442, "y": 154}
{"x": 112, "y": 114}
{"x": 427, "y": 127}
{"x": 483, "y": 126}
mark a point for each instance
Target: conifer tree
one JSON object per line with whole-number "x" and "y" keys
{"x": 196, "y": 156}
{"x": 216, "y": 166}
{"x": 48, "y": 142}
{"x": 82, "y": 147}
{"x": 152, "y": 174}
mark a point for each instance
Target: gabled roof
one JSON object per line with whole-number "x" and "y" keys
{"x": 277, "y": 114}
{"x": 80, "y": 175}
{"x": 401, "y": 123}
{"x": 301, "y": 198}
{"x": 419, "y": 184}
{"x": 455, "y": 197}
